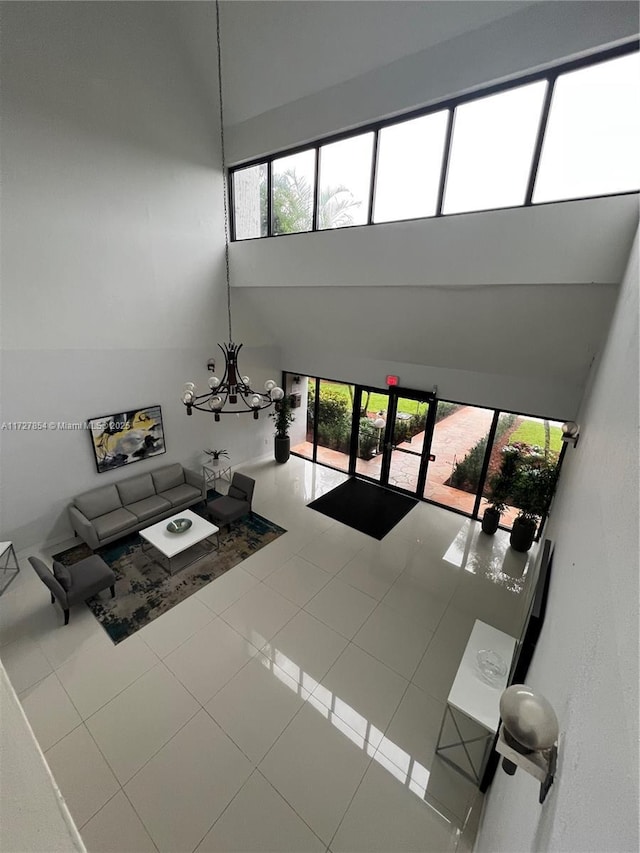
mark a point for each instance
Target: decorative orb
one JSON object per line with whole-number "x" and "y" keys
{"x": 216, "y": 403}
{"x": 269, "y": 385}
{"x": 187, "y": 397}
{"x": 277, "y": 393}
{"x": 379, "y": 423}
{"x": 246, "y": 381}
{"x": 214, "y": 382}
{"x": 528, "y": 717}
{"x": 189, "y": 386}
{"x": 256, "y": 401}
{"x": 570, "y": 429}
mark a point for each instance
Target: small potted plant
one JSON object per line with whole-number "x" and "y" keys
{"x": 282, "y": 417}
{"x": 534, "y": 489}
{"x": 215, "y": 456}
{"x": 501, "y": 485}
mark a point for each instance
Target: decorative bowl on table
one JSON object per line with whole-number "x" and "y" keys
{"x": 179, "y": 525}
{"x": 492, "y": 666}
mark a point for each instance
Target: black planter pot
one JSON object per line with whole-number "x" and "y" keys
{"x": 282, "y": 447}
{"x": 490, "y": 521}
{"x": 522, "y": 534}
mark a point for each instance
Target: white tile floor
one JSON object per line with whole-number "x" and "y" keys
{"x": 292, "y": 705}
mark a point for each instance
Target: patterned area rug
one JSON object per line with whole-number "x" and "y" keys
{"x": 144, "y": 590}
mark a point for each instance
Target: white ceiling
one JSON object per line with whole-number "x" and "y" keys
{"x": 276, "y": 51}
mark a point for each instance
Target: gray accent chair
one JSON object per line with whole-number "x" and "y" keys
{"x": 72, "y": 584}
{"x": 111, "y": 512}
{"x": 235, "y": 504}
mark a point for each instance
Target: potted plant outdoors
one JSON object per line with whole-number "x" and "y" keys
{"x": 282, "y": 417}
{"x": 534, "y": 489}
{"x": 215, "y": 456}
{"x": 501, "y": 485}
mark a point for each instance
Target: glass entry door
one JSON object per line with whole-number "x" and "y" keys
{"x": 394, "y": 436}
{"x": 373, "y": 405}
{"x": 408, "y": 439}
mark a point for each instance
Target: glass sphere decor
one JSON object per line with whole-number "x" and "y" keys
{"x": 528, "y": 717}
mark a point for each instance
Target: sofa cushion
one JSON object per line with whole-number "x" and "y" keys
{"x": 149, "y": 507}
{"x": 98, "y": 501}
{"x": 136, "y": 489}
{"x": 114, "y": 522}
{"x": 168, "y": 477}
{"x": 181, "y": 494}
{"x": 62, "y": 574}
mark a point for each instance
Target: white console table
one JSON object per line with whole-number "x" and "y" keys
{"x": 472, "y": 713}
{"x": 9, "y": 566}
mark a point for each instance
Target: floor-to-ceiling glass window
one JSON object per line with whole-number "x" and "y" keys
{"x": 408, "y": 443}
{"x": 533, "y": 441}
{"x": 301, "y": 390}
{"x": 333, "y": 431}
{"x": 458, "y": 451}
{"x": 450, "y": 455}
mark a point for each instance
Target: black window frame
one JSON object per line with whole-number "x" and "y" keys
{"x": 550, "y": 74}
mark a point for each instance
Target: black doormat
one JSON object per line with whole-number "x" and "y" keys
{"x": 365, "y": 507}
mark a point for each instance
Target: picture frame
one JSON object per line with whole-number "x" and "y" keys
{"x": 126, "y": 437}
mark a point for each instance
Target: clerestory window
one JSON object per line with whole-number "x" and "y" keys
{"x": 566, "y": 133}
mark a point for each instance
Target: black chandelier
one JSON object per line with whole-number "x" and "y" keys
{"x": 232, "y": 389}
{"x": 233, "y": 393}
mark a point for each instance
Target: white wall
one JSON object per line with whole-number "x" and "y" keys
{"x": 535, "y": 37}
{"x": 112, "y": 283}
{"x": 576, "y": 242}
{"x": 586, "y": 662}
{"x": 523, "y": 348}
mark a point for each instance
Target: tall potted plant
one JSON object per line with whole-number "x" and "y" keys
{"x": 535, "y": 486}
{"x": 501, "y": 485}
{"x": 282, "y": 417}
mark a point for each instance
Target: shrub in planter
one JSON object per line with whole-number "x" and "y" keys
{"x": 534, "y": 488}
{"x": 367, "y": 439}
{"x": 501, "y": 486}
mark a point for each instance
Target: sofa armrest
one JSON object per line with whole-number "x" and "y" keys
{"x": 195, "y": 480}
{"x": 83, "y": 527}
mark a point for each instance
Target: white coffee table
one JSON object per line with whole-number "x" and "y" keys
{"x": 180, "y": 550}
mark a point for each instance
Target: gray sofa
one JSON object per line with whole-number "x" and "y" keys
{"x": 110, "y": 512}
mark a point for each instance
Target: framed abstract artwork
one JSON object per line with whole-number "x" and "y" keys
{"x": 126, "y": 437}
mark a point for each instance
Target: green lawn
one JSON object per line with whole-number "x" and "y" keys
{"x": 377, "y": 402}
{"x": 532, "y": 432}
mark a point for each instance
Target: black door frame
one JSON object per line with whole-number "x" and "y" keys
{"x": 394, "y": 393}
{"x": 428, "y": 397}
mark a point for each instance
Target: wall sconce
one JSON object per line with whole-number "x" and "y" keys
{"x": 528, "y": 735}
{"x": 570, "y": 432}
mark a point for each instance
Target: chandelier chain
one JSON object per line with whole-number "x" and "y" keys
{"x": 224, "y": 170}
{"x": 233, "y": 388}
